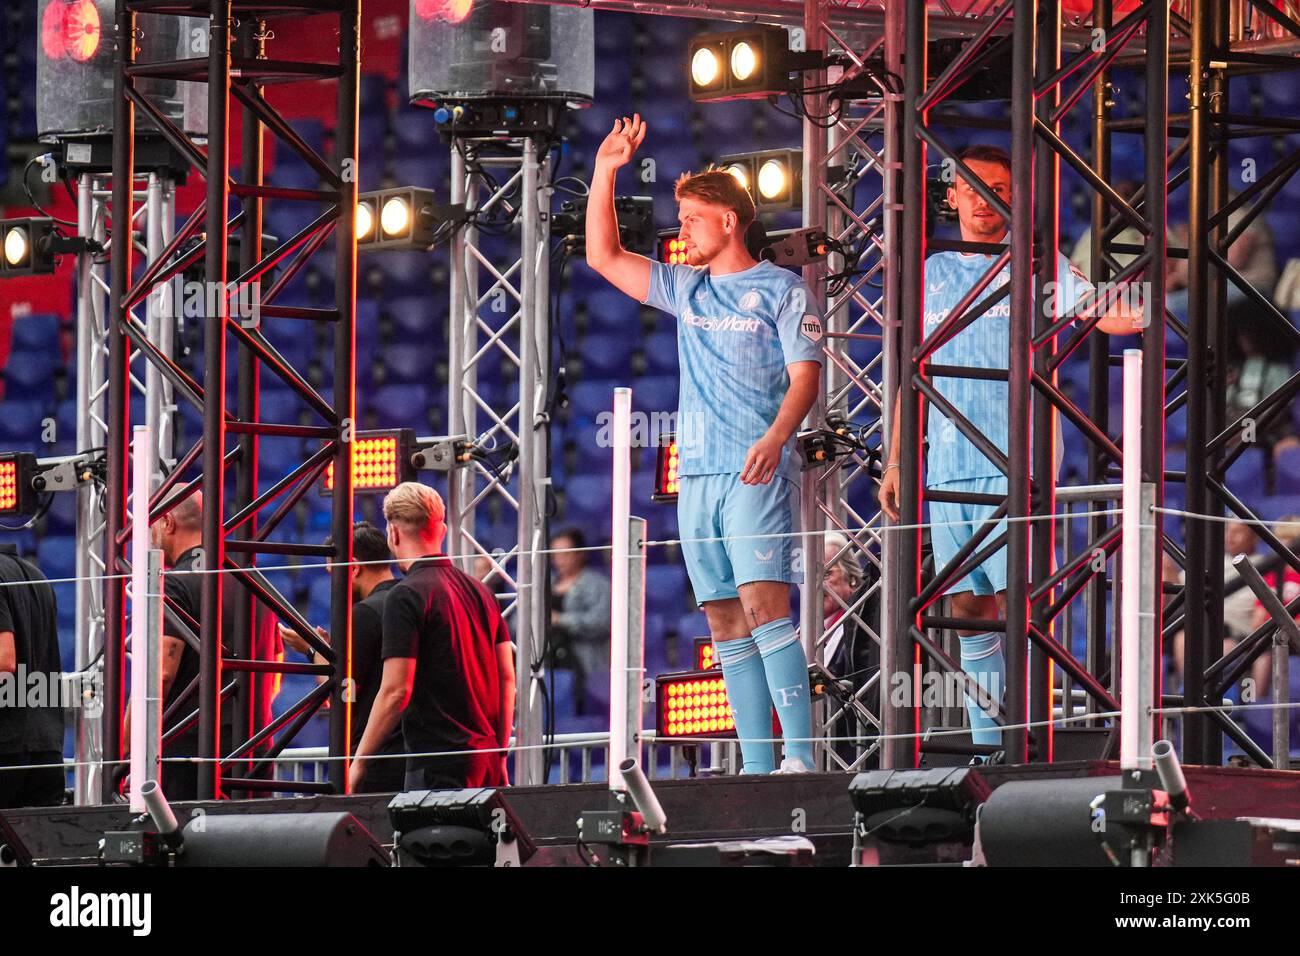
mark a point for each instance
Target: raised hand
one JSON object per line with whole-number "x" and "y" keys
{"x": 622, "y": 142}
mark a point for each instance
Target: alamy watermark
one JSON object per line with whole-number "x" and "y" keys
{"x": 194, "y": 299}
{"x": 648, "y": 429}
{"x": 941, "y": 689}
{"x": 24, "y": 688}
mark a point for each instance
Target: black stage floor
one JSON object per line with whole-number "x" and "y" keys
{"x": 816, "y": 806}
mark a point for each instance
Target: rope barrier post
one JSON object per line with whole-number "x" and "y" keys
{"x": 620, "y": 587}
{"x": 1281, "y": 688}
{"x": 146, "y": 627}
{"x": 1137, "y": 660}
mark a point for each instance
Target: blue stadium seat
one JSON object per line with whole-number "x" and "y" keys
{"x": 589, "y": 398}
{"x": 667, "y": 582}
{"x": 1247, "y": 472}
{"x": 280, "y": 405}
{"x": 63, "y": 514}
{"x": 1287, "y": 473}
{"x": 36, "y": 333}
{"x": 372, "y": 93}
{"x": 21, "y": 420}
{"x": 406, "y": 273}
{"x": 1277, "y": 507}
{"x": 655, "y": 393}
{"x": 402, "y": 406}
{"x": 30, "y": 372}
{"x": 608, "y": 355}
{"x": 416, "y": 131}
{"x": 408, "y": 364}
{"x": 291, "y": 171}
{"x": 285, "y": 219}
{"x": 56, "y": 555}
{"x": 66, "y": 418}
{"x": 661, "y": 353}
{"x": 419, "y": 318}
{"x": 587, "y": 497}
{"x": 609, "y": 310}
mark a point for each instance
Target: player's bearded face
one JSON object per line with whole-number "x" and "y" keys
{"x": 703, "y": 230}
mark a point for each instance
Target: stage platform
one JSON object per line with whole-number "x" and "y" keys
{"x": 815, "y": 806}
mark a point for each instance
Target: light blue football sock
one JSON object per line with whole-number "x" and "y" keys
{"x": 786, "y": 668}
{"x": 982, "y": 658}
{"x": 742, "y": 668}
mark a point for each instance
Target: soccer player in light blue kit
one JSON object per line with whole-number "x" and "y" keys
{"x": 953, "y": 463}
{"x": 749, "y": 337}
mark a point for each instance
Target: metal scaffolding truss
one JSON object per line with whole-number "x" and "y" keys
{"x": 1047, "y": 81}
{"x": 151, "y": 219}
{"x": 843, "y": 155}
{"x": 237, "y": 529}
{"x": 500, "y": 320}
{"x": 1045, "y": 84}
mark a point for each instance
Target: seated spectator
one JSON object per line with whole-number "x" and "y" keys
{"x": 1252, "y": 254}
{"x": 579, "y": 632}
{"x": 850, "y": 651}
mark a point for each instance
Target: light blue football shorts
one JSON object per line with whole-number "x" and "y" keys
{"x": 721, "y": 507}
{"x": 952, "y": 525}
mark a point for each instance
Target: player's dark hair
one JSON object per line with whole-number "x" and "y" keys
{"x": 986, "y": 153}
{"x": 369, "y": 543}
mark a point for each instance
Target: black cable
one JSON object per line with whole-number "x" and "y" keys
{"x": 42, "y": 510}
{"x": 32, "y": 199}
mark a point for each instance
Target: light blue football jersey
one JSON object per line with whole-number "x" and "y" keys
{"x": 736, "y": 334}
{"x": 985, "y": 343}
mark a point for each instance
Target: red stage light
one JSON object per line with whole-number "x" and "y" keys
{"x": 71, "y": 29}
{"x": 8, "y": 485}
{"x": 672, "y": 250}
{"x": 380, "y": 461}
{"x": 666, "y": 470}
{"x": 16, "y": 495}
{"x": 693, "y": 705}
{"x": 453, "y": 11}
{"x": 704, "y": 659}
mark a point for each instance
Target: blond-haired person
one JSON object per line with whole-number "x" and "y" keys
{"x": 449, "y": 673}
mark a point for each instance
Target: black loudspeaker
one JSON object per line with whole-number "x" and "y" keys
{"x": 279, "y": 839}
{"x": 501, "y": 50}
{"x": 13, "y": 852}
{"x": 919, "y": 807}
{"x": 1044, "y": 823}
{"x": 471, "y": 827}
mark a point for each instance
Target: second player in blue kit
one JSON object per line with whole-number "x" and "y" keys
{"x": 953, "y": 463}
{"x": 749, "y": 340}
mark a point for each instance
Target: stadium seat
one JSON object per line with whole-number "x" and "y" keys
{"x": 657, "y": 393}
{"x": 609, "y": 311}
{"x": 30, "y": 372}
{"x": 1287, "y": 473}
{"x": 409, "y": 364}
{"x": 606, "y": 356}
{"x": 403, "y": 406}
{"x": 588, "y": 399}
{"x": 56, "y": 555}
{"x": 36, "y": 333}
{"x": 21, "y": 420}
{"x": 661, "y": 353}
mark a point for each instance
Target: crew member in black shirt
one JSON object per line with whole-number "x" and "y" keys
{"x": 449, "y": 672}
{"x": 31, "y": 724}
{"x": 372, "y": 579}
{"x": 179, "y": 535}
